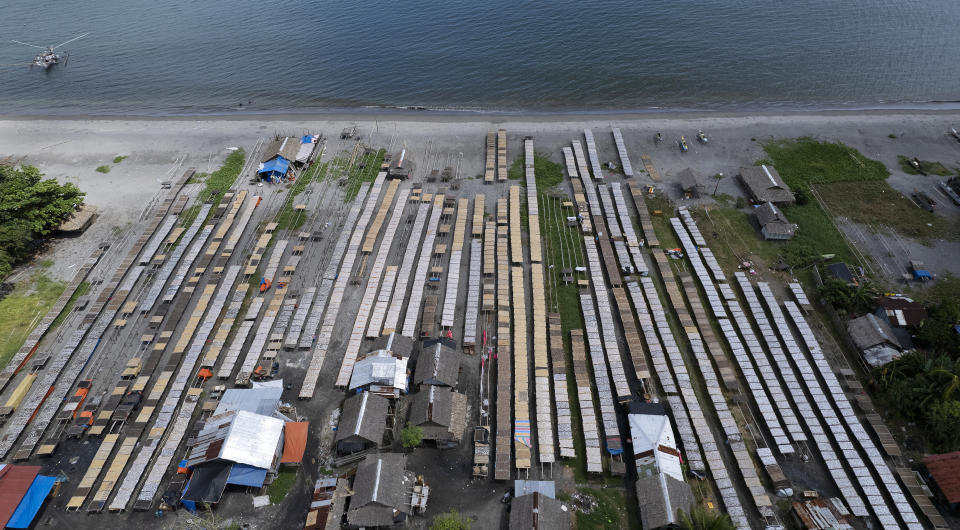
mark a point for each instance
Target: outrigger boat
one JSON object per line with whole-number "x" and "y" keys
{"x": 48, "y": 56}
{"x": 683, "y": 144}
{"x": 701, "y": 137}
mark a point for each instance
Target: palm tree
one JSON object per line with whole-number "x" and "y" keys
{"x": 700, "y": 518}
{"x": 948, "y": 377}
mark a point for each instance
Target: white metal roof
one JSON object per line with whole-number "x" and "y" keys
{"x": 380, "y": 368}
{"x": 253, "y": 440}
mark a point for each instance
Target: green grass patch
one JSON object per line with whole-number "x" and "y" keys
{"x": 661, "y": 221}
{"x": 341, "y": 167}
{"x": 610, "y": 511}
{"x": 103, "y": 169}
{"x": 875, "y": 203}
{"x": 945, "y": 289}
{"x": 46, "y": 263}
{"x": 563, "y": 244}
{"x": 288, "y": 218}
{"x": 804, "y": 161}
{"x": 119, "y": 158}
{"x": 22, "y": 309}
{"x": 927, "y": 167}
{"x": 816, "y": 236}
{"x": 281, "y": 485}
{"x": 217, "y": 184}
{"x": 82, "y": 289}
{"x": 188, "y": 215}
{"x": 546, "y": 172}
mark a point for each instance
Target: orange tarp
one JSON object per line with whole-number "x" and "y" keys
{"x": 204, "y": 373}
{"x": 294, "y": 441}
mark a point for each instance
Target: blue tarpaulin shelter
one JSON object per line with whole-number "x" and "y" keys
{"x": 27, "y": 509}
{"x": 246, "y": 475}
{"x": 274, "y": 168}
{"x": 922, "y": 274}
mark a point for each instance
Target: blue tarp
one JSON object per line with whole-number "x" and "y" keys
{"x": 244, "y": 475}
{"x": 922, "y": 274}
{"x": 278, "y": 166}
{"x": 30, "y": 504}
{"x": 308, "y": 139}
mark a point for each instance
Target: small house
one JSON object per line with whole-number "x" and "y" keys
{"x": 382, "y": 373}
{"x": 441, "y": 414}
{"x": 903, "y": 315}
{"x": 395, "y": 343}
{"x": 537, "y": 511}
{"x": 78, "y": 221}
{"x": 662, "y": 491}
{"x": 237, "y": 447}
{"x": 763, "y": 184}
{"x": 773, "y": 223}
{"x": 308, "y": 144}
{"x": 382, "y": 491}
{"x": 689, "y": 185}
{"x": 438, "y": 363}
{"x": 278, "y": 158}
{"x": 362, "y": 422}
{"x": 841, "y": 272}
{"x": 874, "y": 338}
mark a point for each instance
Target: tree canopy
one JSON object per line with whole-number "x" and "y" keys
{"x": 30, "y": 208}
{"x": 926, "y": 390}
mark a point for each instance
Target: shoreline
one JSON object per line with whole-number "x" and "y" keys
{"x": 413, "y": 114}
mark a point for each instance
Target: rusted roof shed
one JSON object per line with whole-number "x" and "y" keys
{"x": 901, "y": 312}
{"x": 945, "y": 470}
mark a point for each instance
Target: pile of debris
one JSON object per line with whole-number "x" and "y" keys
{"x": 583, "y": 502}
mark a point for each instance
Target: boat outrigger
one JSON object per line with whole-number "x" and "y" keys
{"x": 48, "y": 56}
{"x": 683, "y": 144}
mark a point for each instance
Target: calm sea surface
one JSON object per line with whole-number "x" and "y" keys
{"x": 159, "y": 57}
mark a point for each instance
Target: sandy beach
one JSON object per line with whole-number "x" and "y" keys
{"x": 157, "y": 149}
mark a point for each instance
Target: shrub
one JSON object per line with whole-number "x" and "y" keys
{"x": 411, "y": 436}
{"x": 103, "y": 169}
{"x": 451, "y": 520}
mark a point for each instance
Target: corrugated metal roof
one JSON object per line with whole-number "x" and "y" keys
{"x": 438, "y": 365}
{"x": 945, "y": 469}
{"x": 263, "y": 400}
{"x": 539, "y": 512}
{"x": 765, "y": 184}
{"x": 380, "y": 490}
{"x": 364, "y": 415}
{"x": 13, "y": 486}
{"x": 242, "y": 437}
{"x": 382, "y": 369}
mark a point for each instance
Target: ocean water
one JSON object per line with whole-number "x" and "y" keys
{"x": 166, "y": 57}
